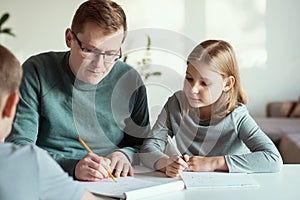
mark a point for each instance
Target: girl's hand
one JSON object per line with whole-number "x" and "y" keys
{"x": 207, "y": 164}
{"x": 175, "y": 165}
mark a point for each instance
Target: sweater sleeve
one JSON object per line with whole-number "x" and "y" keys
{"x": 26, "y": 125}
{"x": 155, "y": 143}
{"x": 137, "y": 127}
{"x": 67, "y": 164}
{"x": 264, "y": 156}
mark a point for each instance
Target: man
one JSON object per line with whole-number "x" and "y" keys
{"x": 85, "y": 92}
{"x": 27, "y": 172}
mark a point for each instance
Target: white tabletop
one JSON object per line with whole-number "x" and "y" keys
{"x": 284, "y": 185}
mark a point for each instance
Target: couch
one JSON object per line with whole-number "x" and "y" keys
{"x": 282, "y": 125}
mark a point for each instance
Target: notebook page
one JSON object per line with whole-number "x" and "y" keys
{"x": 131, "y": 187}
{"x": 217, "y": 179}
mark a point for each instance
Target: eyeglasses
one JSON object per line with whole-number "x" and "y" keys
{"x": 108, "y": 57}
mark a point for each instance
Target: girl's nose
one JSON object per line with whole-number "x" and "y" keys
{"x": 195, "y": 89}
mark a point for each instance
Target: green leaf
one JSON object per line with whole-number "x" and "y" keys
{"x": 148, "y": 42}
{"x": 156, "y": 73}
{"x": 125, "y": 59}
{"x": 7, "y": 31}
{"x": 4, "y": 17}
{"x": 147, "y": 76}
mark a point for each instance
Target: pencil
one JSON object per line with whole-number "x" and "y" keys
{"x": 89, "y": 150}
{"x": 171, "y": 142}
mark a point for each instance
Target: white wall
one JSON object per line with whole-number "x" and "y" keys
{"x": 40, "y": 26}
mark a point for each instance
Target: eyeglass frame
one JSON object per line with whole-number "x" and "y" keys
{"x": 96, "y": 52}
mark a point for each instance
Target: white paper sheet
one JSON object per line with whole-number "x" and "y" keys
{"x": 131, "y": 187}
{"x": 217, "y": 179}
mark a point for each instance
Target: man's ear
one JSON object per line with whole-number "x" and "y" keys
{"x": 10, "y": 105}
{"x": 228, "y": 83}
{"x": 68, "y": 37}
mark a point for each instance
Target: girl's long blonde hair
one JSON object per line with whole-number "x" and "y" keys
{"x": 219, "y": 55}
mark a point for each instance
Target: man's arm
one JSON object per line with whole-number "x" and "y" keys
{"x": 68, "y": 164}
{"x": 138, "y": 126}
{"x": 135, "y": 130}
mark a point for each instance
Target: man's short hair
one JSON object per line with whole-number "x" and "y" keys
{"x": 107, "y": 14}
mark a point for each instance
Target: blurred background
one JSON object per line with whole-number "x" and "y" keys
{"x": 264, "y": 33}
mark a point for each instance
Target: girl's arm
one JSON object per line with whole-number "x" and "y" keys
{"x": 154, "y": 145}
{"x": 207, "y": 164}
{"x": 153, "y": 149}
{"x": 264, "y": 156}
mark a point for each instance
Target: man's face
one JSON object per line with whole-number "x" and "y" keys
{"x": 86, "y": 60}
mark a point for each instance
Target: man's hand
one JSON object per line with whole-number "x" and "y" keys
{"x": 92, "y": 168}
{"x": 120, "y": 164}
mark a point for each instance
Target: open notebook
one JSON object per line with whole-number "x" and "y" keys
{"x": 132, "y": 188}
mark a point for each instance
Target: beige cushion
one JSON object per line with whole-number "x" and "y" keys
{"x": 280, "y": 108}
{"x": 289, "y": 148}
{"x": 296, "y": 110}
{"x": 275, "y": 128}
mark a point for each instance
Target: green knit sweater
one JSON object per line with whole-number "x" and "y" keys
{"x": 55, "y": 108}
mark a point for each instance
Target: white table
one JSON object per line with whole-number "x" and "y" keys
{"x": 284, "y": 185}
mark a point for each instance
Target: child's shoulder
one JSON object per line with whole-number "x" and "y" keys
{"x": 241, "y": 106}
{"x": 13, "y": 150}
{"x": 240, "y": 110}
{"x": 177, "y": 102}
{"x": 177, "y": 98}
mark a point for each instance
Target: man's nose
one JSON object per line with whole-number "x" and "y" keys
{"x": 99, "y": 60}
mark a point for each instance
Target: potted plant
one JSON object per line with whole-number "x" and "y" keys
{"x": 4, "y": 30}
{"x": 143, "y": 65}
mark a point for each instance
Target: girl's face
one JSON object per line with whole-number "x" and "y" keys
{"x": 202, "y": 86}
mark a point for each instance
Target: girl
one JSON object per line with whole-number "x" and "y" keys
{"x": 209, "y": 121}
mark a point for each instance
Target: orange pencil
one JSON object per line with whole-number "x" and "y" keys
{"x": 89, "y": 150}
